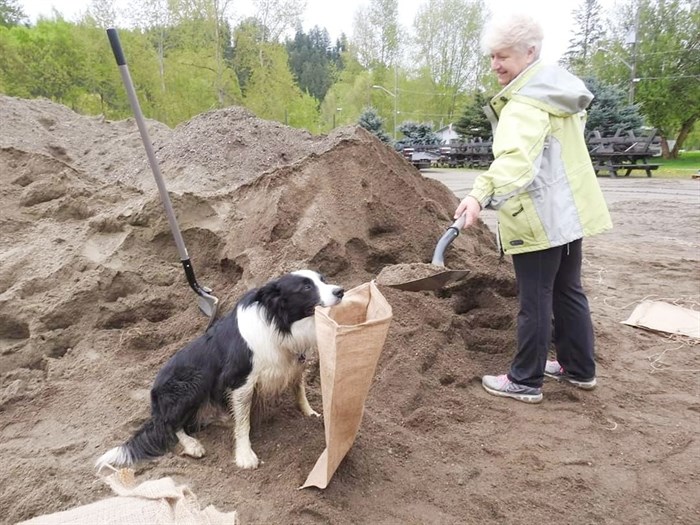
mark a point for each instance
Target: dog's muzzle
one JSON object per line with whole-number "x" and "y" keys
{"x": 338, "y": 294}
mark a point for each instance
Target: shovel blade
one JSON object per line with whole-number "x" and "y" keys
{"x": 209, "y": 305}
{"x": 432, "y": 282}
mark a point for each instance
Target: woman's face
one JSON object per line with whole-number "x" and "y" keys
{"x": 509, "y": 63}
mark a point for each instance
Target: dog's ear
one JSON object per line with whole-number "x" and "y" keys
{"x": 271, "y": 295}
{"x": 274, "y": 304}
{"x": 269, "y": 292}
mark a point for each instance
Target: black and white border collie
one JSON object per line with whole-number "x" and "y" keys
{"x": 260, "y": 346}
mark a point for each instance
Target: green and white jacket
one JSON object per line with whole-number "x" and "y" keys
{"x": 542, "y": 180}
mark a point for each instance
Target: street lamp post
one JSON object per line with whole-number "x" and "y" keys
{"x": 393, "y": 95}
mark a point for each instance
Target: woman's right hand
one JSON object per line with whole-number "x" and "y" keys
{"x": 470, "y": 208}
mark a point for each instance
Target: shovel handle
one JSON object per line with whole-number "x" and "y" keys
{"x": 446, "y": 239}
{"x": 459, "y": 223}
{"x": 116, "y": 46}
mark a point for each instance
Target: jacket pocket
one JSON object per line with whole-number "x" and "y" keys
{"x": 516, "y": 224}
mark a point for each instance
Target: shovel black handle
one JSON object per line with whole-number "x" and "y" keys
{"x": 446, "y": 239}
{"x": 116, "y": 46}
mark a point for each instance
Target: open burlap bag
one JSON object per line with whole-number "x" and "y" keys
{"x": 154, "y": 502}
{"x": 350, "y": 339}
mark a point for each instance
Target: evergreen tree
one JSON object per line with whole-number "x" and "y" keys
{"x": 416, "y": 133}
{"x": 610, "y": 110}
{"x": 337, "y": 52}
{"x": 372, "y": 122}
{"x": 473, "y": 122}
{"x": 587, "y": 35}
{"x": 310, "y": 58}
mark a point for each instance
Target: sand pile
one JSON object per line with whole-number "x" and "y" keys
{"x": 93, "y": 298}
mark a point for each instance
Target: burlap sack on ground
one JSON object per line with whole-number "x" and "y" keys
{"x": 155, "y": 502}
{"x": 350, "y": 339}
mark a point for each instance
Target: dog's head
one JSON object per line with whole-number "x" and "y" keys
{"x": 307, "y": 280}
{"x": 296, "y": 295}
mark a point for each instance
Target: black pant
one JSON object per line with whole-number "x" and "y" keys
{"x": 549, "y": 284}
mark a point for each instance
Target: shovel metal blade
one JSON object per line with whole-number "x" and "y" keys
{"x": 432, "y": 282}
{"x": 209, "y": 305}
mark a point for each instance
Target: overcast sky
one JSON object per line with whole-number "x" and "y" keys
{"x": 337, "y": 15}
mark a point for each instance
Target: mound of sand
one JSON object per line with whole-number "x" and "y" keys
{"x": 93, "y": 298}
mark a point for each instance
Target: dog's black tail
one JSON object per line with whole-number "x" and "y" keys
{"x": 153, "y": 439}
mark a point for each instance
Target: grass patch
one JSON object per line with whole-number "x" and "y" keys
{"x": 685, "y": 166}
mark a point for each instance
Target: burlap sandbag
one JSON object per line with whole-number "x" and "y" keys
{"x": 350, "y": 339}
{"x": 155, "y": 502}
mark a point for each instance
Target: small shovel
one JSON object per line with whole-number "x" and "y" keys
{"x": 441, "y": 278}
{"x": 208, "y": 303}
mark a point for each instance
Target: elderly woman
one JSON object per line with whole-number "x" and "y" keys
{"x": 544, "y": 187}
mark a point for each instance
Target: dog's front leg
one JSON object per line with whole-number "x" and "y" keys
{"x": 191, "y": 446}
{"x": 302, "y": 402}
{"x": 240, "y": 401}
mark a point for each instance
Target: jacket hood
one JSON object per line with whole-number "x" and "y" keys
{"x": 550, "y": 88}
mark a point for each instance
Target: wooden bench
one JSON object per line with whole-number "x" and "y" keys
{"x": 612, "y": 169}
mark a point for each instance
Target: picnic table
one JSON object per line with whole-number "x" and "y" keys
{"x": 622, "y": 152}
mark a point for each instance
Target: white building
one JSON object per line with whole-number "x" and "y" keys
{"x": 446, "y": 134}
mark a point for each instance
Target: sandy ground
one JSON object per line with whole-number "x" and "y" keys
{"x": 92, "y": 302}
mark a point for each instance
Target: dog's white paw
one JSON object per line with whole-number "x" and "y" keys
{"x": 311, "y": 412}
{"x": 247, "y": 459}
{"x": 194, "y": 449}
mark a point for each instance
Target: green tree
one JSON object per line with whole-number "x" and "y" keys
{"x": 658, "y": 43}
{"x": 473, "y": 122}
{"x": 203, "y": 31}
{"x": 447, "y": 35}
{"x": 373, "y": 123}
{"x": 54, "y": 61}
{"x": 416, "y": 133}
{"x": 11, "y": 13}
{"x": 272, "y": 94}
{"x": 610, "y": 111}
{"x": 155, "y": 18}
{"x": 276, "y": 16}
{"x": 351, "y": 92}
{"x": 13, "y": 71}
{"x": 311, "y": 61}
{"x": 669, "y": 69}
{"x": 588, "y": 33}
{"x": 376, "y": 33}
{"x": 102, "y": 13}
{"x": 247, "y": 37}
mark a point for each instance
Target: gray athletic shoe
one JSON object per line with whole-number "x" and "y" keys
{"x": 554, "y": 370}
{"x": 504, "y": 387}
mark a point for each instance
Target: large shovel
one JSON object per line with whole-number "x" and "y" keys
{"x": 439, "y": 276}
{"x": 207, "y": 302}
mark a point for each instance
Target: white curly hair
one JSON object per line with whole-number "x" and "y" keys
{"x": 513, "y": 30}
